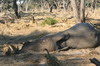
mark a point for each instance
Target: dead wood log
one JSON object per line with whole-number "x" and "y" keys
{"x": 95, "y": 61}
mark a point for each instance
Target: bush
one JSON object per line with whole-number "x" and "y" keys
{"x": 49, "y": 21}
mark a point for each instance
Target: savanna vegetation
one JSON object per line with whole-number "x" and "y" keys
{"x": 23, "y": 21}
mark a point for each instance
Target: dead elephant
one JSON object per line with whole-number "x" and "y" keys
{"x": 81, "y": 35}
{"x": 46, "y": 42}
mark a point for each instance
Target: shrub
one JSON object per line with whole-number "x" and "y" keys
{"x": 49, "y": 21}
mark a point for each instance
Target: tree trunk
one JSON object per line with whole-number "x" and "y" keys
{"x": 94, "y": 4}
{"x": 67, "y": 4}
{"x": 82, "y": 11}
{"x": 50, "y": 8}
{"x": 79, "y": 12}
{"x": 16, "y": 8}
{"x": 1, "y": 6}
{"x": 27, "y": 5}
{"x": 64, "y": 5}
{"x": 75, "y": 10}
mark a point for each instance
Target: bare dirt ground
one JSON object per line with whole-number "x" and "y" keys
{"x": 24, "y": 30}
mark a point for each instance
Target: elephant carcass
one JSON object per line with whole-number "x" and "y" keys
{"x": 82, "y": 35}
{"x": 46, "y": 42}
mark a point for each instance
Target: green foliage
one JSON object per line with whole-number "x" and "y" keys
{"x": 49, "y": 21}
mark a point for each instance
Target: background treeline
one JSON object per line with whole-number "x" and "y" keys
{"x": 28, "y": 5}
{"x": 77, "y": 6}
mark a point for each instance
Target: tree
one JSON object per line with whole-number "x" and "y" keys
{"x": 75, "y": 10}
{"x": 1, "y": 5}
{"x": 16, "y": 9}
{"x": 64, "y": 5}
{"x": 79, "y": 13}
{"x": 82, "y": 11}
{"x": 94, "y": 4}
{"x": 51, "y": 4}
{"x": 27, "y": 2}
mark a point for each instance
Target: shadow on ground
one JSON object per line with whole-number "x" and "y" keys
{"x": 5, "y": 39}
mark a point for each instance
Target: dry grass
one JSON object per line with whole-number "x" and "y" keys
{"x": 23, "y": 31}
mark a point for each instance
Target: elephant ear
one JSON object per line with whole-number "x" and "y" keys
{"x": 60, "y": 36}
{"x": 67, "y": 36}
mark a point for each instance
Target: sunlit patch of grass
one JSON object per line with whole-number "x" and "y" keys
{"x": 49, "y": 21}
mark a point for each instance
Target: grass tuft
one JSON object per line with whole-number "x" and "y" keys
{"x": 49, "y": 21}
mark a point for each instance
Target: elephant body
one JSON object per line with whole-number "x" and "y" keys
{"x": 81, "y": 35}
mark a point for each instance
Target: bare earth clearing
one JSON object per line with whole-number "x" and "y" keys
{"x": 25, "y": 30}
